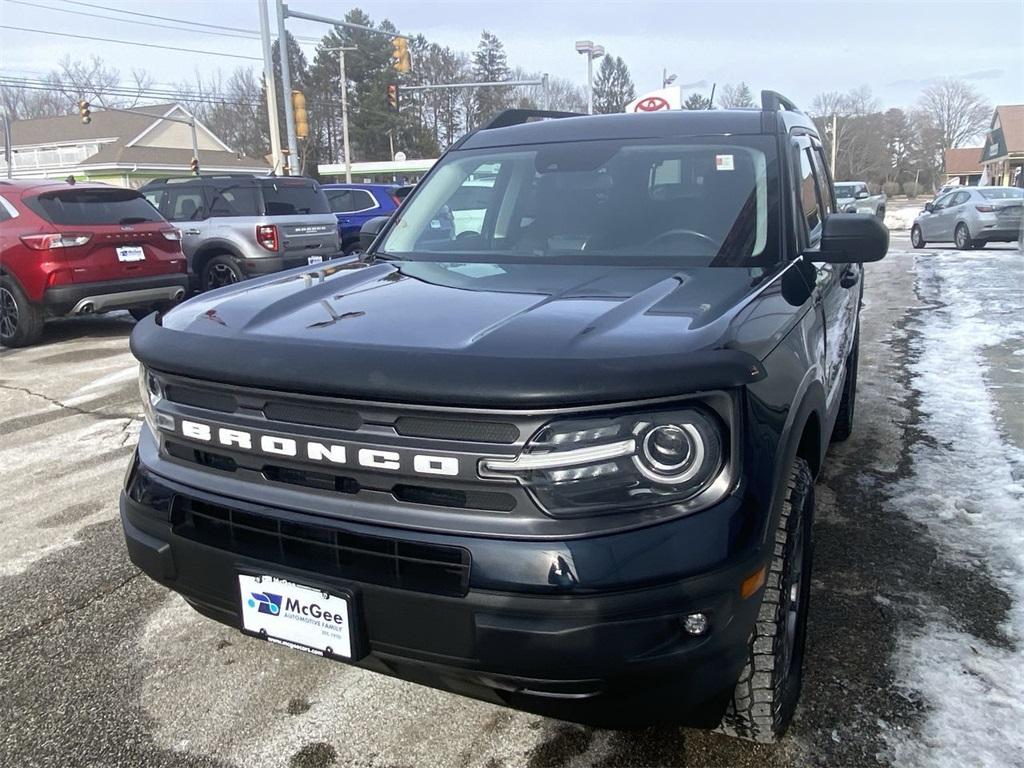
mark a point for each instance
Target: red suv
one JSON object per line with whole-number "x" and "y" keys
{"x": 78, "y": 249}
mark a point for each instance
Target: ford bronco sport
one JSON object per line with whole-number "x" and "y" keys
{"x": 563, "y": 461}
{"x": 235, "y": 226}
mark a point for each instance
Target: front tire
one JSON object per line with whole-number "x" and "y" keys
{"x": 917, "y": 237}
{"x": 962, "y": 238}
{"x": 21, "y": 321}
{"x": 220, "y": 271}
{"x": 767, "y": 692}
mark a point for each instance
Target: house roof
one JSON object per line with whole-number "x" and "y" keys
{"x": 69, "y": 129}
{"x": 962, "y": 161}
{"x": 1011, "y": 117}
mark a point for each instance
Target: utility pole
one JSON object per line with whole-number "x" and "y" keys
{"x": 8, "y": 151}
{"x": 286, "y": 89}
{"x": 344, "y": 112}
{"x": 835, "y": 141}
{"x": 271, "y": 86}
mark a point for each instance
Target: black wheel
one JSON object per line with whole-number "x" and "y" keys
{"x": 220, "y": 271}
{"x": 844, "y": 421}
{"x": 962, "y": 238}
{"x": 979, "y": 244}
{"x": 21, "y": 321}
{"x": 766, "y": 695}
{"x": 917, "y": 237}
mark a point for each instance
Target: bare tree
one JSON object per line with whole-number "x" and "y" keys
{"x": 956, "y": 109}
{"x": 735, "y": 96}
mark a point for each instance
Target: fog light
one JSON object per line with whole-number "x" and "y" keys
{"x": 696, "y": 624}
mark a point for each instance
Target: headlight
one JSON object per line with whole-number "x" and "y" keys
{"x": 151, "y": 393}
{"x": 599, "y": 465}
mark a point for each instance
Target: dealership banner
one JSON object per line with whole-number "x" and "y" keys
{"x": 663, "y": 98}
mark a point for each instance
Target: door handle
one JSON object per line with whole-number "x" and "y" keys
{"x": 849, "y": 278}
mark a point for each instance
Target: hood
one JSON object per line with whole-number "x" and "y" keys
{"x": 460, "y": 332}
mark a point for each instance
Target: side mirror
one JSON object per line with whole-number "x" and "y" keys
{"x": 851, "y": 238}
{"x": 862, "y": 195}
{"x": 369, "y": 231}
{"x": 929, "y": 207}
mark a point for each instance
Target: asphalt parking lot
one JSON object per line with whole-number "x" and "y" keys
{"x": 100, "y": 667}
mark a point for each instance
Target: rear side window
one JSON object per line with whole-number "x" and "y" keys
{"x": 234, "y": 200}
{"x": 89, "y": 207}
{"x": 995, "y": 193}
{"x": 293, "y": 198}
{"x": 179, "y": 202}
{"x": 340, "y": 200}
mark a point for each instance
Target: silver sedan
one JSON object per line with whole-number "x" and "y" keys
{"x": 970, "y": 217}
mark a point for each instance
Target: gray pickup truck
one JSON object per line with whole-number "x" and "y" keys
{"x": 854, "y": 197}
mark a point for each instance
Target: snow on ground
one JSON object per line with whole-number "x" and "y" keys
{"x": 902, "y": 217}
{"x": 967, "y": 488}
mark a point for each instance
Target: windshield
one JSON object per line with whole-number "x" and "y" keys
{"x": 94, "y": 207}
{"x": 1002, "y": 193}
{"x": 705, "y": 201}
{"x": 849, "y": 190}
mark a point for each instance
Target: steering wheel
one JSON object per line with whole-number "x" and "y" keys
{"x": 684, "y": 233}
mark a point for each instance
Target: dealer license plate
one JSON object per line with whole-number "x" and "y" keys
{"x": 302, "y": 617}
{"x": 131, "y": 253}
{"x": 316, "y": 259}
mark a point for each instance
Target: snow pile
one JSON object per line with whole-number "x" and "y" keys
{"x": 902, "y": 218}
{"x": 967, "y": 488}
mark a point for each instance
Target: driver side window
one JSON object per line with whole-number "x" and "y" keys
{"x": 942, "y": 202}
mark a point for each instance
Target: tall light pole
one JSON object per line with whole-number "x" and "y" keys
{"x": 268, "y": 79}
{"x": 591, "y": 51}
{"x": 286, "y": 90}
{"x": 344, "y": 112}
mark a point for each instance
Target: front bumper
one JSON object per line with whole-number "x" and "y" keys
{"x": 607, "y": 657}
{"x": 87, "y": 298}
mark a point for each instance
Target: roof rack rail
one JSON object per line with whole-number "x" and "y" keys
{"x": 772, "y": 101}
{"x": 520, "y": 116}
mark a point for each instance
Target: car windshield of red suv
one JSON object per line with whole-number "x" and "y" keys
{"x": 93, "y": 207}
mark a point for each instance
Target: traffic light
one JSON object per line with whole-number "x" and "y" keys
{"x": 84, "y": 111}
{"x": 301, "y": 118}
{"x": 400, "y": 54}
{"x": 392, "y": 97}
{"x": 194, "y": 166}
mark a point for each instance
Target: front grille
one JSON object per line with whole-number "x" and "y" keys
{"x": 491, "y": 501}
{"x": 312, "y": 415}
{"x": 201, "y": 398}
{"x": 330, "y": 551}
{"x": 450, "y": 429}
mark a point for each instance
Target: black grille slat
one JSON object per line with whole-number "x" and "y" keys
{"x": 491, "y": 501}
{"x": 423, "y": 567}
{"x": 312, "y": 415}
{"x": 201, "y": 398}
{"x": 452, "y": 429}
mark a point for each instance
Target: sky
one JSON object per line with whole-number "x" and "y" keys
{"x": 798, "y": 48}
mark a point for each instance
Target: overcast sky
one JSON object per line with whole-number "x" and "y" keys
{"x": 798, "y": 48}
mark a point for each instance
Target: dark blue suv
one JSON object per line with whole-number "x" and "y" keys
{"x": 355, "y": 204}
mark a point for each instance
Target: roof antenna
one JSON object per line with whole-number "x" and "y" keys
{"x": 711, "y": 98}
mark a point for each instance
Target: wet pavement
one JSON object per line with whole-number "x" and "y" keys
{"x": 101, "y": 667}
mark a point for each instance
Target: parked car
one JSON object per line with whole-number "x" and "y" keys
{"x": 854, "y": 197}
{"x": 235, "y": 226}
{"x": 970, "y": 217}
{"x": 81, "y": 249}
{"x": 355, "y": 204}
{"x": 563, "y": 461}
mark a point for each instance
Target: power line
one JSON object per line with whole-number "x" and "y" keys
{"x": 254, "y": 32}
{"x": 130, "y": 42}
{"x": 130, "y": 21}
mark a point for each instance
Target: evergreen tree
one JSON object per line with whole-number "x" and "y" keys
{"x": 697, "y": 101}
{"x": 490, "y": 64}
{"x": 613, "y": 86}
{"x": 736, "y": 97}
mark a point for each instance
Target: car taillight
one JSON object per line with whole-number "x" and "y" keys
{"x": 985, "y": 208}
{"x": 397, "y": 199}
{"x": 266, "y": 235}
{"x": 172, "y": 234}
{"x": 47, "y": 242}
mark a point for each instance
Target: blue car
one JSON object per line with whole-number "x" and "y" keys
{"x": 355, "y": 204}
